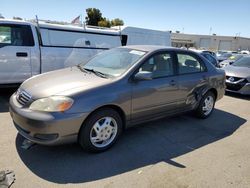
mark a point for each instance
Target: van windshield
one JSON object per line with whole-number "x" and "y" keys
{"x": 113, "y": 62}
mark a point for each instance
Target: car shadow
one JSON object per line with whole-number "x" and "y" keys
{"x": 139, "y": 146}
{"x": 5, "y": 94}
{"x": 239, "y": 96}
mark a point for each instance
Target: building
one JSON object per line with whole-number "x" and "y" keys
{"x": 210, "y": 42}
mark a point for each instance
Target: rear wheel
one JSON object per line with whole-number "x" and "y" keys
{"x": 206, "y": 105}
{"x": 101, "y": 130}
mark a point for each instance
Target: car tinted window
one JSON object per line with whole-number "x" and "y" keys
{"x": 210, "y": 58}
{"x": 16, "y": 35}
{"x": 189, "y": 64}
{"x": 161, "y": 65}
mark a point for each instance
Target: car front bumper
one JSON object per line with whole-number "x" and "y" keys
{"x": 46, "y": 128}
{"x": 244, "y": 89}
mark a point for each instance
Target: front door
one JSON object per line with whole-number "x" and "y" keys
{"x": 16, "y": 42}
{"x": 151, "y": 98}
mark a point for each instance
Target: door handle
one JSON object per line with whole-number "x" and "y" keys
{"x": 172, "y": 83}
{"x": 22, "y": 54}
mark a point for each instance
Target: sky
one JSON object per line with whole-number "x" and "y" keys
{"x": 222, "y": 17}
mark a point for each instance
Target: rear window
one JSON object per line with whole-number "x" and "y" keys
{"x": 210, "y": 58}
{"x": 16, "y": 35}
{"x": 189, "y": 64}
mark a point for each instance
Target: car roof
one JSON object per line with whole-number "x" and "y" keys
{"x": 150, "y": 48}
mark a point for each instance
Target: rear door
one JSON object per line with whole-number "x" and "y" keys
{"x": 151, "y": 98}
{"x": 16, "y": 42}
{"x": 192, "y": 78}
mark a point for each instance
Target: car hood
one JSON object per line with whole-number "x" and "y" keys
{"x": 62, "y": 82}
{"x": 242, "y": 72}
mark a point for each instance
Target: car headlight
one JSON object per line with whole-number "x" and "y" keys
{"x": 52, "y": 104}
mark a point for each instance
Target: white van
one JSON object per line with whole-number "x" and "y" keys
{"x": 142, "y": 36}
{"x": 26, "y": 50}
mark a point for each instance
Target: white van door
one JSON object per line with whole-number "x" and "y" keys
{"x": 16, "y": 42}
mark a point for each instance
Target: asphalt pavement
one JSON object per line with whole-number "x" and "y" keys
{"x": 180, "y": 151}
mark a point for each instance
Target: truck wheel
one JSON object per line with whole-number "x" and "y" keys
{"x": 206, "y": 105}
{"x": 100, "y": 131}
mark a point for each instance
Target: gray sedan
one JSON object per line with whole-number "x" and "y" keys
{"x": 93, "y": 103}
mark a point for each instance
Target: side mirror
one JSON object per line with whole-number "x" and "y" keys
{"x": 143, "y": 75}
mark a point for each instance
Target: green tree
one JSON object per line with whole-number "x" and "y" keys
{"x": 17, "y": 18}
{"x": 117, "y": 22}
{"x": 104, "y": 23}
{"x": 93, "y": 16}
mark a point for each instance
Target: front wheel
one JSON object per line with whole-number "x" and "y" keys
{"x": 100, "y": 131}
{"x": 206, "y": 105}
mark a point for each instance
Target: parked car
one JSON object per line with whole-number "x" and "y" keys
{"x": 224, "y": 56}
{"x": 230, "y": 60}
{"x": 238, "y": 76}
{"x": 245, "y": 52}
{"x": 210, "y": 56}
{"x": 210, "y": 52}
{"x": 219, "y": 53}
{"x": 93, "y": 103}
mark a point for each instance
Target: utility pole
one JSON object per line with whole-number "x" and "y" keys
{"x": 210, "y": 30}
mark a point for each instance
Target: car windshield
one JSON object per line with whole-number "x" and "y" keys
{"x": 226, "y": 55}
{"x": 242, "y": 62}
{"x": 113, "y": 62}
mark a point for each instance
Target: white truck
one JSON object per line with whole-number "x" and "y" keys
{"x": 142, "y": 36}
{"x": 28, "y": 49}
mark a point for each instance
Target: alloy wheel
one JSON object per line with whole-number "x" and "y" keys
{"x": 103, "y": 132}
{"x": 208, "y": 105}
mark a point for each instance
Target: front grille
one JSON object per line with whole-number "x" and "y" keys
{"x": 236, "y": 86}
{"x": 234, "y": 79}
{"x": 23, "y": 97}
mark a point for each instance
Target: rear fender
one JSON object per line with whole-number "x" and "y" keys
{"x": 201, "y": 92}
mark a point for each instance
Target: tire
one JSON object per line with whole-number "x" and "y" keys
{"x": 200, "y": 111}
{"x": 100, "y": 131}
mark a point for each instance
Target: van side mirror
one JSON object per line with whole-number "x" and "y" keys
{"x": 143, "y": 75}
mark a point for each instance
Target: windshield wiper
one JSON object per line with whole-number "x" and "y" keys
{"x": 98, "y": 73}
{"x": 82, "y": 69}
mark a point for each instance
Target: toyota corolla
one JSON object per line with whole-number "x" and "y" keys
{"x": 93, "y": 103}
